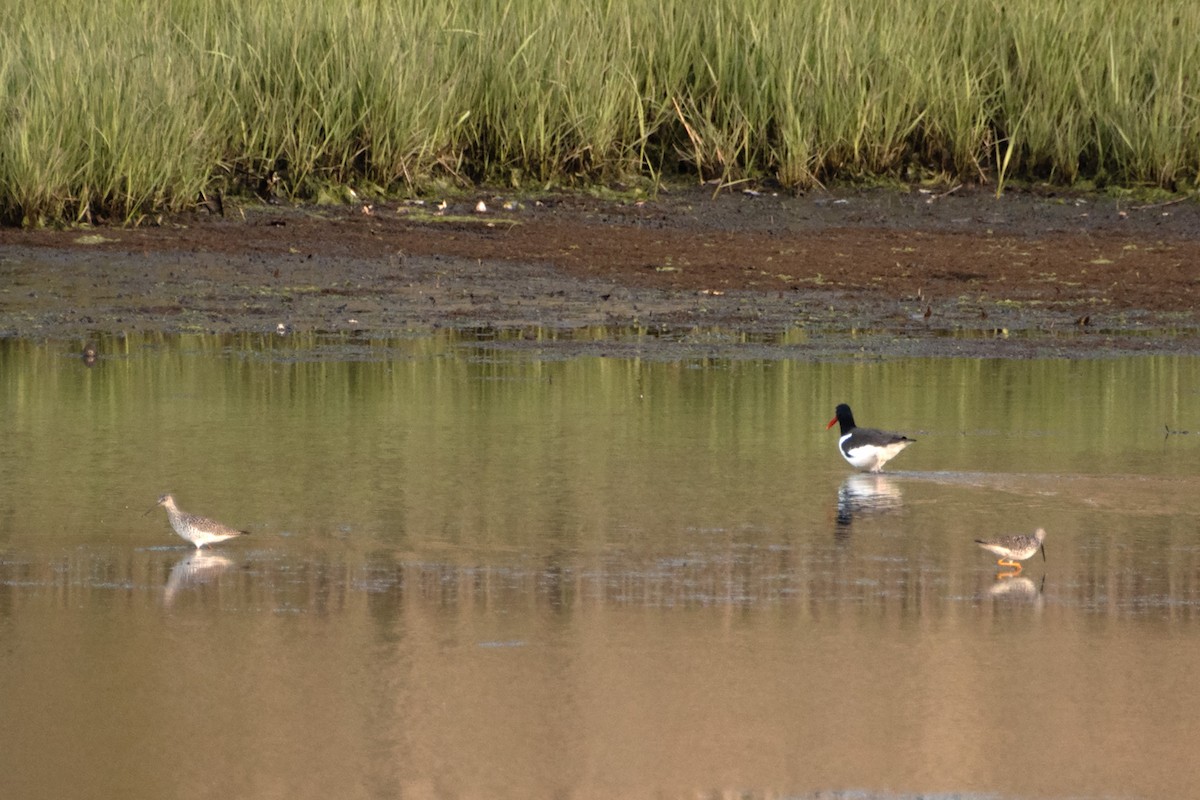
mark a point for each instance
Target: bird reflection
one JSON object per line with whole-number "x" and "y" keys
{"x": 865, "y": 493}
{"x": 192, "y": 570}
{"x": 1018, "y": 588}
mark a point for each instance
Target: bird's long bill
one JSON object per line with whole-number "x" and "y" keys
{"x": 151, "y": 508}
{"x": 1043, "y": 552}
{"x": 832, "y": 422}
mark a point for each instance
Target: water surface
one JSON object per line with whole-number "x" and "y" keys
{"x": 484, "y": 571}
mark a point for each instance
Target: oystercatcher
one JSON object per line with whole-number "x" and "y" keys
{"x": 1013, "y": 549}
{"x": 866, "y": 448}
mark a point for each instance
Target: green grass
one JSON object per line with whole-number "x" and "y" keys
{"x": 134, "y": 107}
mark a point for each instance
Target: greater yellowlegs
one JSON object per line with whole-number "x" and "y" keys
{"x": 1013, "y": 549}
{"x": 866, "y": 448}
{"x": 197, "y": 530}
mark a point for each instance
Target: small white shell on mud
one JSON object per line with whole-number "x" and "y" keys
{"x": 481, "y": 207}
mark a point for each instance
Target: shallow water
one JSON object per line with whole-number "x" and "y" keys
{"x": 484, "y": 571}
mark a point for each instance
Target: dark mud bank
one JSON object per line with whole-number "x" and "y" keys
{"x": 863, "y": 274}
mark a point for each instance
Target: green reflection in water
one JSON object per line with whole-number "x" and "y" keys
{"x": 464, "y": 438}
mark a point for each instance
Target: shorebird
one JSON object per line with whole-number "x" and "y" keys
{"x": 866, "y": 448}
{"x": 1013, "y": 549}
{"x": 196, "y": 529}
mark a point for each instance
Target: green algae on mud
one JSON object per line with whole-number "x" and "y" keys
{"x": 854, "y": 274}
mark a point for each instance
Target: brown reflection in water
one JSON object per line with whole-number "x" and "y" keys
{"x": 616, "y": 676}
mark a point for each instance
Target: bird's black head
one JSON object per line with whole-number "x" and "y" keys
{"x": 843, "y": 415}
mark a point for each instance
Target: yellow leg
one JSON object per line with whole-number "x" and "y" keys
{"x": 1004, "y": 562}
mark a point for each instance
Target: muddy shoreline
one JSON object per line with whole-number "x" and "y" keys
{"x": 852, "y": 273}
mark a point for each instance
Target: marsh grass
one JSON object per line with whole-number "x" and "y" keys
{"x": 133, "y": 107}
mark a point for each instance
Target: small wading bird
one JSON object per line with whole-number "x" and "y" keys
{"x": 1013, "y": 549}
{"x": 866, "y": 448}
{"x": 197, "y": 530}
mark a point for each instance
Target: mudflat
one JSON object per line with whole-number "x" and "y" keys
{"x": 870, "y": 272}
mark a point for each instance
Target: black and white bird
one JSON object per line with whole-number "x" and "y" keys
{"x": 866, "y": 448}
